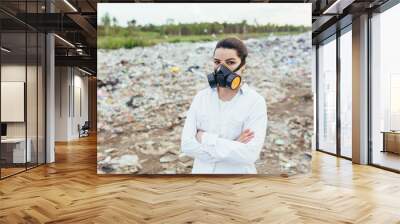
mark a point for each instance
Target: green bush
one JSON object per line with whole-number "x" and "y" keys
{"x": 129, "y": 39}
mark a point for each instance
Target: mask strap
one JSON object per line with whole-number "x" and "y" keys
{"x": 241, "y": 65}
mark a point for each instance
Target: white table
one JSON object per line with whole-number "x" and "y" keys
{"x": 19, "y": 149}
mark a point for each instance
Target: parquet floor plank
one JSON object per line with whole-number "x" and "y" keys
{"x": 70, "y": 191}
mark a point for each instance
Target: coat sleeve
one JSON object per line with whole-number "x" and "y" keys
{"x": 189, "y": 144}
{"x": 221, "y": 149}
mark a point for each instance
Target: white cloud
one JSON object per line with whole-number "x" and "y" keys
{"x": 158, "y": 13}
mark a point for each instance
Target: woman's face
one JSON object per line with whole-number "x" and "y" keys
{"x": 228, "y": 57}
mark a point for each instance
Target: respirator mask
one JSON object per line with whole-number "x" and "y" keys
{"x": 224, "y": 77}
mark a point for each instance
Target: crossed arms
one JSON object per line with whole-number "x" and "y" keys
{"x": 210, "y": 147}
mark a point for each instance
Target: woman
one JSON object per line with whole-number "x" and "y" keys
{"x": 226, "y": 124}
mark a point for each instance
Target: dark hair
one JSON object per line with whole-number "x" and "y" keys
{"x": 234, "y": 43}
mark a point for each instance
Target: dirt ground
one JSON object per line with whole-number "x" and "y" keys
{"x": 143, "y": 94}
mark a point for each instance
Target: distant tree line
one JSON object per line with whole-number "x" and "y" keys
{"x": 110, "y": 25}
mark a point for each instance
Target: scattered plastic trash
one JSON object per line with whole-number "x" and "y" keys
{"x": 142, "y": 103}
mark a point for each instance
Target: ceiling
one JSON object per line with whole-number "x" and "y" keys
{"x": 329, "y": 16}
{"x": 74, "y": 22}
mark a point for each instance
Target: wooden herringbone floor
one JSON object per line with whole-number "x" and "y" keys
{"x": 69, "y": 191}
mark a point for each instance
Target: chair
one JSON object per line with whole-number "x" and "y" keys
{"x": 84, "y": 130}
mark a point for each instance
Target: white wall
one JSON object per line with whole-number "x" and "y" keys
{"x": 12, "y": 73}
{"x": 70, "y": 82}
{"x": 61, "y": 103}
{"x": 12, "y": 100}
{"x": 80, "y": 89}
{"x": 33, "y": 126}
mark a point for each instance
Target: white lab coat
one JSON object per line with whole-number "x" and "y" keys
{"x": 223, "y": 122}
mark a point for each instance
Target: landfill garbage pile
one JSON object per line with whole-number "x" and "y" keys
{"x": 144, "y": 93}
